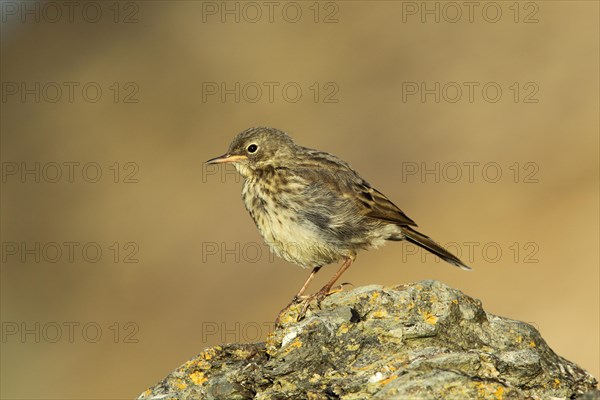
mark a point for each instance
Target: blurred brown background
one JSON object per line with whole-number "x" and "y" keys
{"x": 73, "y": 328}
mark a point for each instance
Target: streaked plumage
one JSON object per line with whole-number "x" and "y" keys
{"x": 311, "y": 207}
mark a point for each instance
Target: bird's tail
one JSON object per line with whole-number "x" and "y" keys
{"x": 428, "y": 244}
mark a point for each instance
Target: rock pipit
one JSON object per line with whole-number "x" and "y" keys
{"x": 312, "y": 208}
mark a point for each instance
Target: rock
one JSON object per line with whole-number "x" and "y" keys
{"x": 419, "y": 341}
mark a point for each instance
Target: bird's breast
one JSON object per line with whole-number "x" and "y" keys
{"x": 283, "y": 227}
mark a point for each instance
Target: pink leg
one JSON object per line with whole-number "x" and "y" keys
{"x": 308, "y": 281}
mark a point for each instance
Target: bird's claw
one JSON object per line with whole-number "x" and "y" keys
{"x": 306, "y": 300}
{"x": 319, "y": 296}
{"x": 299, "y": 299}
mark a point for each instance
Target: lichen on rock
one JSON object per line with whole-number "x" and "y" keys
{"x": 419, "y": 341}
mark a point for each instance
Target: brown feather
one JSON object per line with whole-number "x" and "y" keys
{"x": 380, "y": 207}
{"x": 428, "y": 244}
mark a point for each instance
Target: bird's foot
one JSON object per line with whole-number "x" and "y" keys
{"x": 298, "y": 299}
{"x": 340, "y": 287}
{"x": 306, "y": 300}
{"x": 319, "y": 296}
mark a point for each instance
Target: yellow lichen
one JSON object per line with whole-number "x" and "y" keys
{"x": 291, "y": 315}
{"x": 198, "y": 378}
{"x": 241, "y": 353}
{"x": 499, "y": 392}
{"x": 203, "y": 364}
{"x": 388, "y": 380}
{"x": 532, "y": 344}
{"x": 481, "y": 389}
{"x": 485, "y": 391}
{"x": 429, "y": 317}
{"x": 294, "y": 345}
{"x": 210, "y": 353}
{"x": 381, "y": 313}
{"x": 342, "y": 329}
{"x": 179, "y": 384}
{"x": 556, "y": 383}
{"x": 353, "y": 347}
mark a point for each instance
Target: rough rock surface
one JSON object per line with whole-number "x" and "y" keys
{"x": 419, "y": 341}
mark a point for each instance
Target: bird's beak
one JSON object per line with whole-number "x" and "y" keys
{"x": 226, "y": 158}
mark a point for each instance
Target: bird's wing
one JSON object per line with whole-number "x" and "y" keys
{"x": 377, "y": 205}
{"x": 336, "y": 175}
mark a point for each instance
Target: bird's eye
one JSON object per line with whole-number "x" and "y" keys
{"x": 252, "y": 148}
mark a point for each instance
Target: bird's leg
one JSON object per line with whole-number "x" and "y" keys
{"x": 300, "y": 293}
{"x": 321, "y": 294}
{"x": 327, "y": 288}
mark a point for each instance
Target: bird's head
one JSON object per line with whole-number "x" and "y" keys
{"x": 257, "y": 148}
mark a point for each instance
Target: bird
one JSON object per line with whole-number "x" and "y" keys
{"x": 313, "y": 209}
